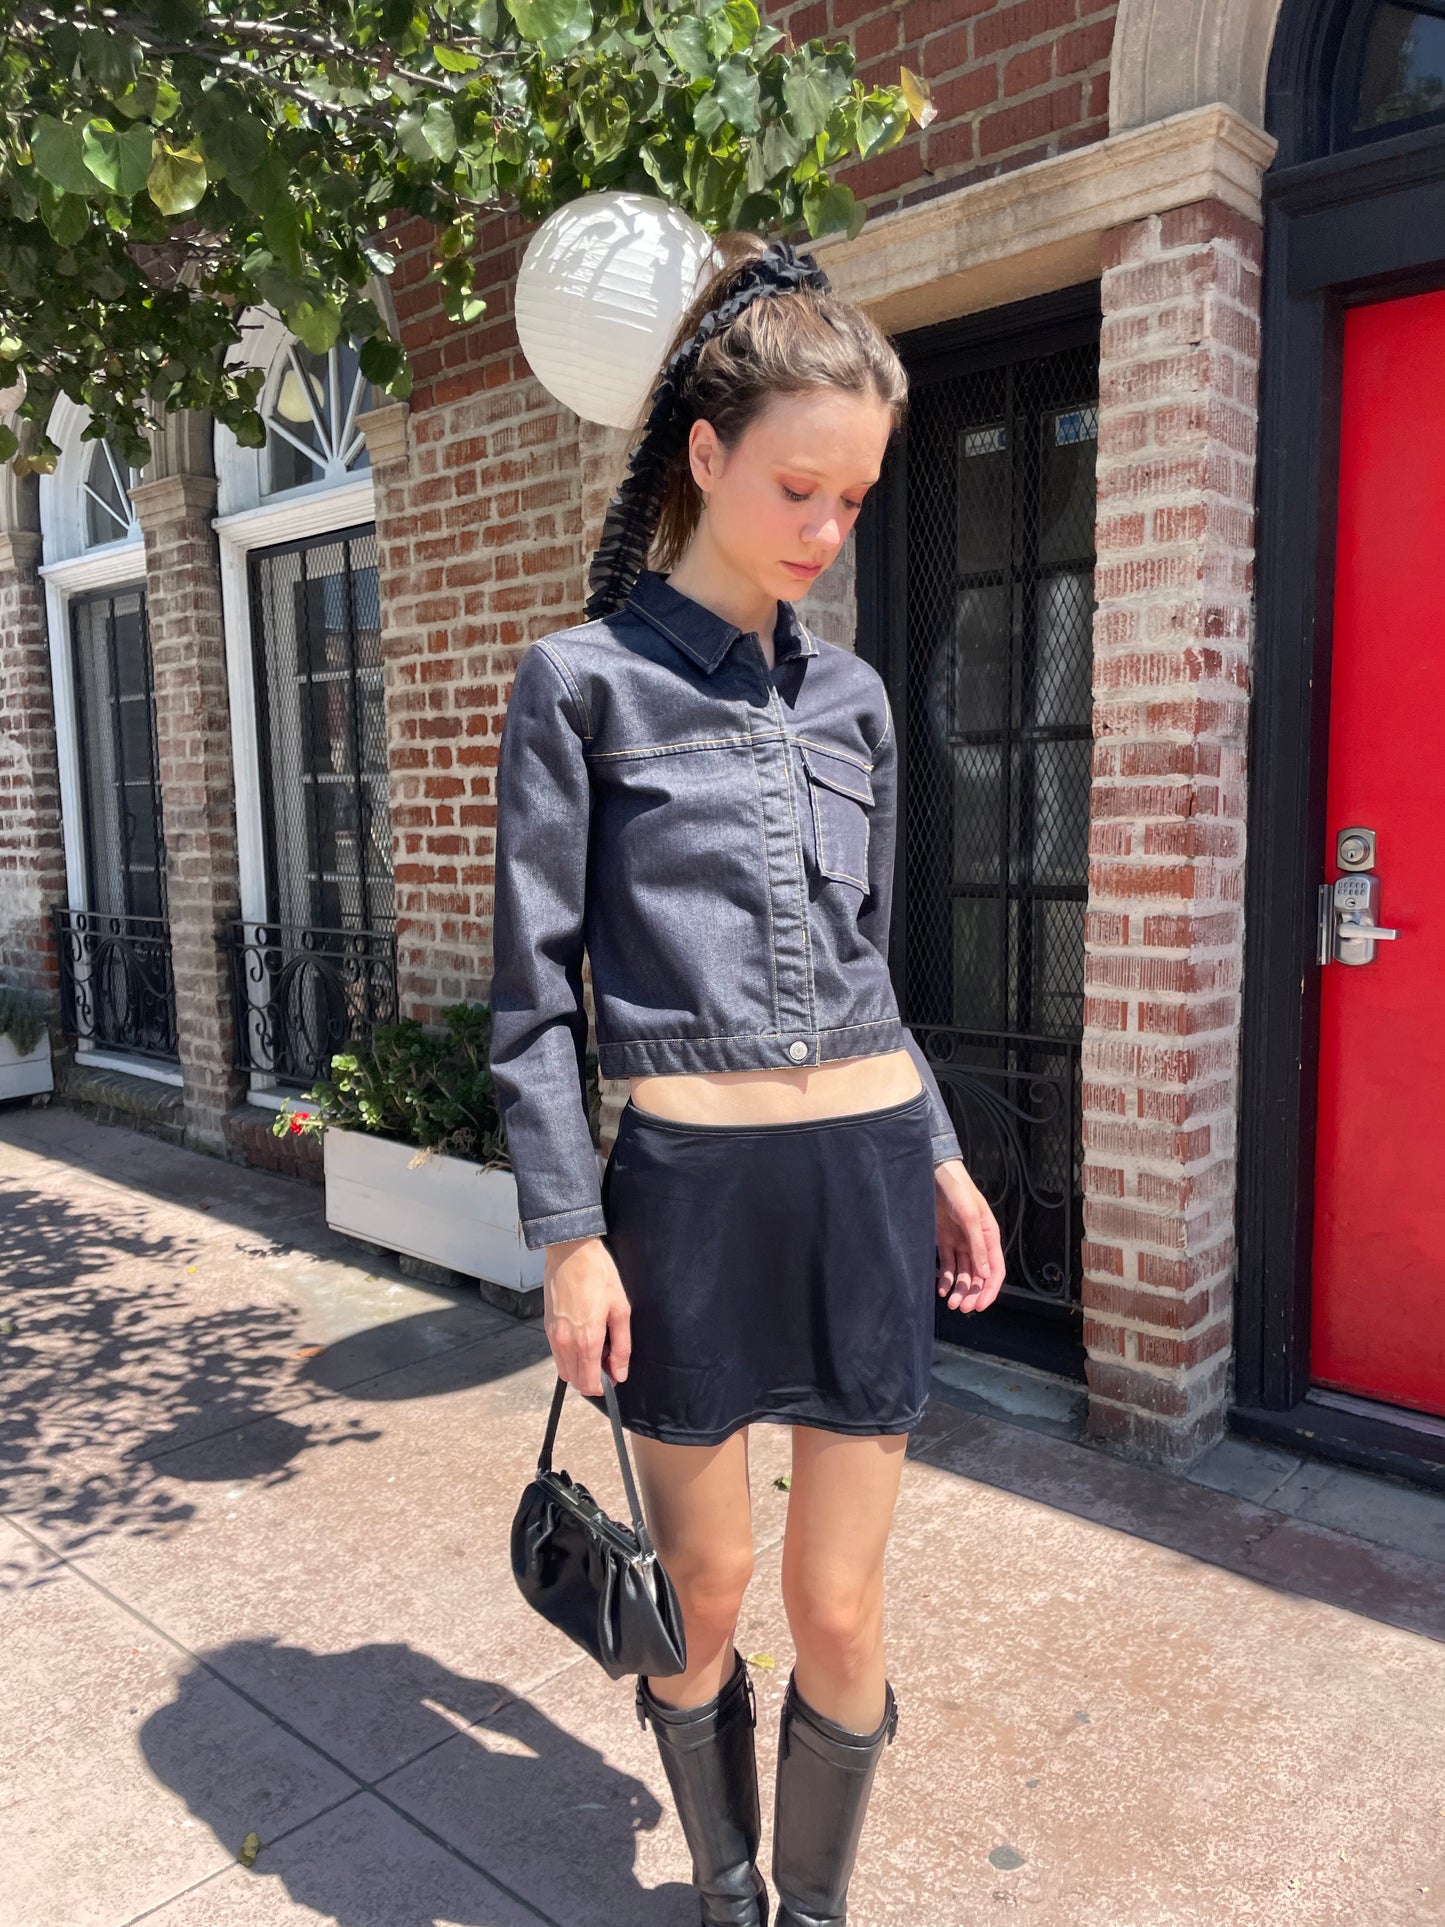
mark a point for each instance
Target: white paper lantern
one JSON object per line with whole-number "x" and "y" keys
{"x": 604, "y": 282}
{"x": 11, "y": 397}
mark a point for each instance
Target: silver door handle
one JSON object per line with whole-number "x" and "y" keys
{"x": 1350, "y": 928}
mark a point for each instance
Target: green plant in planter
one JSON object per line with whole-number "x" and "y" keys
{"x": 22, "y": 1018}
{"x": 426, "y": 1088}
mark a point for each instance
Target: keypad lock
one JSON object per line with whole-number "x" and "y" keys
{"x": 1349, "y": 926}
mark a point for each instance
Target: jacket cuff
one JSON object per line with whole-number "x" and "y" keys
{"x": 945, "y": 1146}
{"x": 586, "y": 1221}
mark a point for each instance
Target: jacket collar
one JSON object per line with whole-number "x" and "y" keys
{"x": 700, "y": 632}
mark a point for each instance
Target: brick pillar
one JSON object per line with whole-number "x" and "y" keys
{"x": 198, "y": 801}
{"x": 1164, "y": 934}
{"x": 32, "y": 851}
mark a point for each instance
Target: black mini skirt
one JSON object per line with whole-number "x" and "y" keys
{"x": 778, "y": 1272}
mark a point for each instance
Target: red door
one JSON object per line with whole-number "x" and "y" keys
{"x": 1378, "y": 1280}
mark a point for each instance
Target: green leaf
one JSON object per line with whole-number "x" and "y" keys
{"x": 606, "y": 122}
{"x": 317, "y": 326}
{"x": 22, "y": 185}
{"x": 452, "y": 60}
{"x": 737, "y": 90}
{"x": 782, "y": 149}
{"x": 380, "y": 359}
{"x": 556, "y": 26}
{"x": 233, "y": 140}
{"x": 686, "y": 40}
{"x": 663, "y": 160}
{"x": 109, "y": 58}
{"x": 281, "y": 226}
{"x": 56, "y": 146}
{"x": 177, "y": 178}
{"x": 811, "y": 88}
{"x": 744, "y": 20}
{"x": 151, "y": 98}
{"x": 267, "y": 186}
{"x": 439, "y": 130}
{"x": 119, "y": 161}
{"x": 9, "y": 445}
{"x": 760, "y": 212}
{"x": 67, "y": 216}
{"x": 827, "y": 206}
{"x": 427, "y": 134}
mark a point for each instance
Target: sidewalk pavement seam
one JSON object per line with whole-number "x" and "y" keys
{"x": 359, "y": 1785}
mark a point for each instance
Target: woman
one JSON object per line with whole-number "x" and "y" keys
{"x": 701, "y": 794}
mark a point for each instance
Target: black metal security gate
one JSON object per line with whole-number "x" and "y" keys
{"x": 977, "y": 599}
{"x": 115, "y": 955}
{"x": 321, "y": 971}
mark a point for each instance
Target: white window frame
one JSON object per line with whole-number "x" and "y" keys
{"x": 111, "y": 569}
{"x": 293, "y": 516}
{"x": 70, "y": 569}
{"x": 248, "y": 518}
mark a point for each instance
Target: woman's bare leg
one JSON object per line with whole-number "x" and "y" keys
{"x": 840, "y": 1512}
{"x": 699, "y": 1510}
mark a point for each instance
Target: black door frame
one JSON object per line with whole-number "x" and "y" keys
{"x": 1049, "y": 1338}
{"x": 1354, "y": 226}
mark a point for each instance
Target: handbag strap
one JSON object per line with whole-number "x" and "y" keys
{"x": 544, "y": 1461}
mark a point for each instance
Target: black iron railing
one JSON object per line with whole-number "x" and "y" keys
{"x": 1016, "y": 1103}
{"x": 302, "y": 995}
{"x": 117, "y": 990}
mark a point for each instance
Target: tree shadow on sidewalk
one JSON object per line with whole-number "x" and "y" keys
{"x": 532, "y": 1807}
{"x": 122, "y": 1344}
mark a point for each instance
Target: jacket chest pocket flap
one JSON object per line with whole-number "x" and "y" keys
{"x": 841, "y": 793}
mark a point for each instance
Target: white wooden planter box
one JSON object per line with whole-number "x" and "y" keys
{"x": 29, "y": 1075}
{"x": 445, "y": 1210}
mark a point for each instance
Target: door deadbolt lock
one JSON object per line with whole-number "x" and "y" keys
{"x": 1349, "y": 907}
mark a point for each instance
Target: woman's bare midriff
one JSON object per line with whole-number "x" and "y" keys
{"x": 781, "y": 1095}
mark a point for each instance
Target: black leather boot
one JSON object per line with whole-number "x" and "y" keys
{"x": 707, "y": 1754}
{"x": 825, "y": 1775}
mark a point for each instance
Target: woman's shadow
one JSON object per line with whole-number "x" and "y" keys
{"x": 383, "y": 1786}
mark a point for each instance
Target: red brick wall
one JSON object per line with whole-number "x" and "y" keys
{"x": 1013, "y": 83}
{"x": 1164, "y": 937}
{"x": 32, "y": 857}
{"x": 198, "y": 802}
{"x": 481, "y": 549}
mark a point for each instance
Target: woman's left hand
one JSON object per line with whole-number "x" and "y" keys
{"x": 970, "y": 1253}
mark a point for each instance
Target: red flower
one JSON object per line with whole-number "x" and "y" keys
{"x": 298, "y": 1122}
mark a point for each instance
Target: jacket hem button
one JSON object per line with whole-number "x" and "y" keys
{"x": 797, "y": 1050}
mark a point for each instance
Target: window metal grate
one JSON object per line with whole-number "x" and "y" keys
{"x": 300, "y": 996}
{"x": 320, "y": 972}
{"x": 993, "y": 696}
{"x": 316, "y": 626}
{"x": 125, "y": 859}
{"x": 117, "y": 990}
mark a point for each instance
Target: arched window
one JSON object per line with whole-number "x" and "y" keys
{"x": 1390, "y": 78}
{"x": 109, "y": 512}
{"x": 311, "y": 404}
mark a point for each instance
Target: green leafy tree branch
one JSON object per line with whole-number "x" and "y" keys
{"x": 166, "y": 165}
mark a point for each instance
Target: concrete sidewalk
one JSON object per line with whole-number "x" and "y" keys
{"x": 255, "y": 1494}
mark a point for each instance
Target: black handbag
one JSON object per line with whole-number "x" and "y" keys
{"x": 601, "y": 1584}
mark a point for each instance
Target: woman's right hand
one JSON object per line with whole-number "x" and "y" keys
{"x": 585, "y": 1307}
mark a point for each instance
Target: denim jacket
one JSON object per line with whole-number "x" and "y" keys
{"x": 718, "y": 838}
